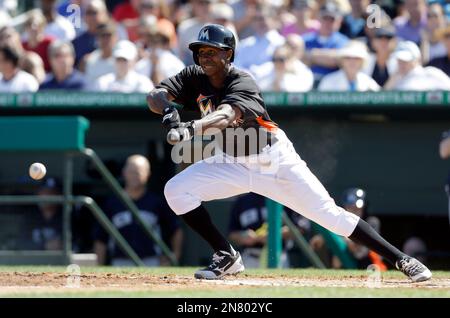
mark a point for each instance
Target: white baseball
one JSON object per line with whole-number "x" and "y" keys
{"x": 37, "y": 171}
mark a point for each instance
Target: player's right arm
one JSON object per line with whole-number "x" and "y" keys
{"x": 159, "y": 99}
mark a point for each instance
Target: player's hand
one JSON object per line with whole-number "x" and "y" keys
{"x": 184, "y": 131}
{"x": 171, "y": 118}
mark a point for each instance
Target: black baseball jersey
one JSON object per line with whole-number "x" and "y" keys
{"x": 192, "y": 89}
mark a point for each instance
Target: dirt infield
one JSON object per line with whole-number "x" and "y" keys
{"x": 57, "y": 282}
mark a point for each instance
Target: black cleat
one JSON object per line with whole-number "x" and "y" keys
{"x": 223, "y": 263}
{"x": 414, "y": 269}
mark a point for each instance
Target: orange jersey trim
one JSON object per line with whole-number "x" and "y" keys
{"x": 269, "y": 125}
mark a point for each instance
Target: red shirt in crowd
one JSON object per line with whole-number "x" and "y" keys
{"x": 42, "y": 50}
{"x": 124, "y": 11}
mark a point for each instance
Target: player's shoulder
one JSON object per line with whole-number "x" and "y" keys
{"x": 237, "y": 75}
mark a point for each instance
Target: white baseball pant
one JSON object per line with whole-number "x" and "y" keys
{"x": 285, "y": 179}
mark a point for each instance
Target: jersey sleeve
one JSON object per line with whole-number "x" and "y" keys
{"x": 244, "y": 94}
{"x": 180, "y": 85}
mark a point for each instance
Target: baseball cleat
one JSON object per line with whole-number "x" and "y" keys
{"x": 414, "y": 269}
{"x": 223, "y": 263}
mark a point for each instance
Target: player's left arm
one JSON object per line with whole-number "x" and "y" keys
{"x": 224, "y": 116}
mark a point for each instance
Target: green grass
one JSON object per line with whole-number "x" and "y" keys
{"x": 438, "y": 287}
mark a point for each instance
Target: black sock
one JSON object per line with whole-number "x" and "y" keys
{"x": 200, "y": 221}
{"x": 364, "y": 234}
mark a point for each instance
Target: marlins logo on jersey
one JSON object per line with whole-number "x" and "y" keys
{"x": 205, "y": 104}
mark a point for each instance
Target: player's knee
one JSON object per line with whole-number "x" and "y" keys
{"x": 179, "y": 198}
{"x": 171, "y": 189}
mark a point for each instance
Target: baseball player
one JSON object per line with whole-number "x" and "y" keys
{"x": 265, "y": 162}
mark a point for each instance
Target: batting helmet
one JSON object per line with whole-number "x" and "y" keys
{"x": 215, "y": 35}
{"x": 354, "y": 196}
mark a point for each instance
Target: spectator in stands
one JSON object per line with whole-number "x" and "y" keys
{"x": 411, "y": 75}
{"x": 10, "y": 37}
{"x": 95, "y": 14}
{"x": 158, "y": 9}
{"x": 285, "y": 73}
{"x": 63, "y": 76}
{"x": 430, "y": 46}
{"x": 350, "y": 76}
{"x": 46, "y": 232}
{"x": 12, "y": 78}
{"x": 304, "y": 22}
{"x": 124, "y": 79}
{"x": 101, "y": 61}
{"x": 259, "y": 48}
{"x": 380, "y": 20}
{"x": 353, "y": 24}
{"x": 443, "y": 62}
{"x": 321, "y": 46}
{"x": 158, "y": 62}
{"x": 188, "y": 29}
{"x": 57, "y": 26}
{"x": 127, "y": 10}
{"x": 36, "y": 40}
{"x": 244, "y": 14}
{"x": 153, "y": 209}
{"x": 247, "y": 228}
{"x": 147, "y": 25}
{"x": 409, "y": 26}
{"x": 222, "y": 13}
{"x": 33, "y": 64}
{"x": 296, "y": 45}
{"x": 381, "y": 64}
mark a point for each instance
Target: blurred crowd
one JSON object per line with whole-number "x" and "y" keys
{"x": 287, "y": 45}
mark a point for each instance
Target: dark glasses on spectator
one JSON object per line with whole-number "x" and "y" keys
{"x": 104, "y": 35}
{"x": 279, "y": 59}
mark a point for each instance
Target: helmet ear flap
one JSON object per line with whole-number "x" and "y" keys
{"x": 195, "y": 56}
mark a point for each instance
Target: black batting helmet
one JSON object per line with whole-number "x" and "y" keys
{"x": 215, "y": 35}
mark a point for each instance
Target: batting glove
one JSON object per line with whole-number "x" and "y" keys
{"x": 171, "y": 118}
{"x": 185, "y": 131}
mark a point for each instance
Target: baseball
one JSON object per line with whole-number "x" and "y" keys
{"x": 37, "y": 171}
{"x": 173, "y": 137}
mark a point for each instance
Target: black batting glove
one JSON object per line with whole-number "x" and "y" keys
{"x": 171, "y": 118}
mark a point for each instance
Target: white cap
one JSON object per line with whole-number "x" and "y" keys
{"x": 222, "y": 11}
{"x": 407, "y": 51}
{"x": 125, "y": 49}
{"x": 354, "y": 49}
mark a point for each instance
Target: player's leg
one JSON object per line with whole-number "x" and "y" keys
{"x": 205, "y": 181}
{"x": 299, "y": 189}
